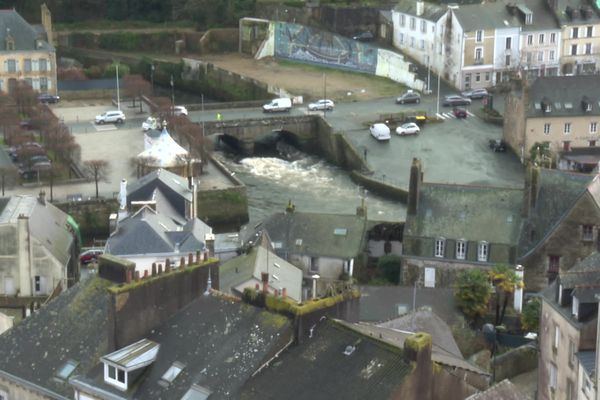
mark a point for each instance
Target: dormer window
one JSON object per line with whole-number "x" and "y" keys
{"x": 586, "y": 104}
{"x": 9, "y": 42}
{"x": 587, "y": 233}
{"x": 547, "y": 107}
{"x": 575, "y": 307}
{"x": 120, "y": 364}
{"x": 528, "y": 19}
{"x": 440, "y": 247}
{"x": 461, "y": 249}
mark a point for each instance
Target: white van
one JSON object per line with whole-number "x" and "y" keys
{"x": 380, "y": 132}
{"x": 276, "y": 105}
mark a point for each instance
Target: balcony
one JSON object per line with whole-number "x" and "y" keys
{"x": 478, "y": 61}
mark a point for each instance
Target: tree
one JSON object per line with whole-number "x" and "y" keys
{"x": 472, "y": 292}
{"x": 540, "y": 154}
{"x": 7, "y": 173}
{"x": 505, "y": 280}
{"x": 98, "y": 169}
{"x": 8, "y": 117}
{"x": 111, "y": 70}
{"x": 530, "y": 317}
{"x": 136, "y": 87}
{"x": 24, "y": 97}
{"x": 389, "y": 267}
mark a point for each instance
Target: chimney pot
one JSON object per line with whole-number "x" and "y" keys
{"x": 128, "y": 277}
{"x": 167, "y": 265}
{"x": 190, "y": 259}
{"x": 198, "y": 256}
{"x": 145, "y": 273}
{"x": 284, "y": 293}
{"x": 153, "y": 269}
{"x": 160, "y": 270}
{"x": 182, "y": 262}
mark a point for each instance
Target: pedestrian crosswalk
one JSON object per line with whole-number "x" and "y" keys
{"x": 102, "y": 128}
{"x": 450, "y": 115}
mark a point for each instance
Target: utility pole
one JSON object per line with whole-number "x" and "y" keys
{"x": 438, "y": 95}
{"x": 172, "y": 96}
{"x": 324, "y": 94}
{"x": 152, "y": 76}
{"x": 118, "y": 94}
{"x": 428, "y": 74}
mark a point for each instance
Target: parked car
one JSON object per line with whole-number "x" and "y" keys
{"x": 459, "y": 112}
{"x": 497, "y": 145}
{"x": 323, "y": 104}
{"x": 180, "y": 110}
{"x": 116, "y": 116}
{"x": 90, "y": 255}
{"x": 456, "y": 100}
{"x": 150, "y": 123}
{"x": 475, "y": 93}
{"x": 281, "y": 104}
{"x": 409, "y": 128}
{"x": 48, "y": 98}
{"x": 380, "y": 132}
{"x": 409, "y": 97}
{"x": 365, "y": 36}
{"x": 40, "y": 162}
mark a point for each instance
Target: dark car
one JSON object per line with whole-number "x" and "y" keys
{"x": 475, "y": 93}
{"x": 90, "y": 255}
{"x": 459, "y": 112}
{"x": 498, "y": 145}
{"x": 48, "y": 98}
{"x": 409, "y": 97}
{"x": 456, "y": 100}
{"x": 365, "y": 36}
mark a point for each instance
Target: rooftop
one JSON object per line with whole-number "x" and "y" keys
{"x": 431, "y": 12}
{"x": 559, "y": 96}
{"x": 504, "y": 390}
{"x": 489, "y": 15}
{"x": 24, "y": 34}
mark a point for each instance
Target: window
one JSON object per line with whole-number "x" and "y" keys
{"x": 479, "y": 36}
{"x": 478, "y": 53}
{"x": 120, "y": 375}
{"x": 487, "y": 76}
{"x": 11, "y": 66}
{"x": 44, "y": 84}
{"x": 402, "y": 38}
{"x": 574, "y": 309}
{"x": 590, "y": 31}
{"x": 43, "y": 64}
{"x": 574, "y": 50}
{"x": 551, "y": 55}
{"x": 37, "y": 283}
{"x": 547, "y": 129}
{"x": 593, "y": 127}
{"x": 540, "y": 56}
{"x": 66, "y": 370}
{"x": 423, "y": 26}
{"x": 588, "y": 48}
{"x": 27, "y": 65}
{"x": 529, "y": 39}
{"x": 567, "y": 145}
{"x": 508, "y": 43}
{"x": 429, "y": 277}
{"x": 174, "y": 370}
{"x": 412, "y": 23}
{"x": 440, "y": 247}
{"x": 541, "y": 38}
{"x": 482, "y": 251}
{"x": 587, "y": 233}
{"x": 112, "y": 372}
{"x": 570, "y": 390}
{"x": 422, "y": 44}
{"x": 553, "y": 38}
{"x": 592, "y": 143}
{"x": 461, "y": 249}
{"x": 314, "y": 264}
{"x": 467, "y": 79}
{"x": 553, "y": 264}
{"x": 553, "y": 377}
{"x": 412, "y": 41}
{"x": 507, "y": 61}
{"x": 572, "y": 351}
{"x": 3, "y": 395}
{"x": 567, "y": 129}
{"x": 402, "y": 20}
{"x": 556, "y": 341}
{"x": 574, "y": 32}
{"x": 477, "y": 77}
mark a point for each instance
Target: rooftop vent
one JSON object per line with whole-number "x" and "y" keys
{"x": 340, "y": 231}
{"x": 349, "y": 350}
{"x": 172, "y": 373}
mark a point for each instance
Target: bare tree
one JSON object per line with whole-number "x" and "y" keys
{"x": 8, "y": 118}
{"x": 136, "y": 87}
{"x": 25, "y": 97}
{"x": 98, "y": 169}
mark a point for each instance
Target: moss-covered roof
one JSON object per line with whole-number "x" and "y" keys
{"x": 467, "y": 212}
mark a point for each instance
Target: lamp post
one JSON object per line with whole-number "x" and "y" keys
{"x": 438, "y": 94}
{"x": 152, "y": 77}
{"x": 324, "y": 94}
{"x": 172, "y": 96}
{"x": 118, "y": 94}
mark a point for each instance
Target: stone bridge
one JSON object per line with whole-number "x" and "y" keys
{"x": 243, "y": 133}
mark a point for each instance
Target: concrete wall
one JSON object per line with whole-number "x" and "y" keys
{"x": 92, "y": 216}
{"x": 514, "y": 362}
{"x": 158, "y": 298}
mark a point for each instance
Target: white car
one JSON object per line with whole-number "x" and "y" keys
{"x": 116, "y": 116}
{"x": 150, "y": 123}
{"x": 380, "y": 132}
{"x": 180, "y": 110}
{"x": 322, "y": 104}
{"x": 409, "y": 128}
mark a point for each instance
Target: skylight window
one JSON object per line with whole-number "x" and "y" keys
{"x": 197, "y": 392}
{"x": 67, "y": 369}
{"x": 340, "y": 231}
{"x": 173, "y": 371}
{"x": 537, "y": 106}
{"x": 557, "y": 105}
{"x": 568, "y": 106}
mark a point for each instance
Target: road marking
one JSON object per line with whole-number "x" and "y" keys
{"x": 102, "y": 128}
{"x": 440, "y": 116}
{"x": 470, "y": 114}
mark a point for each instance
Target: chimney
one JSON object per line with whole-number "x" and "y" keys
{"x": 417, "y": 351}
{"x": 123, "y": 195}
{"x": 209, "y": 242}
{"x": 420, "y": 7}
{"x": 42, "y": 197}
{"x": 534, "y": 187}
{"x": 264, "y": 277}
{"x": 414, "y": 186}
{"x": 47, "y": 23}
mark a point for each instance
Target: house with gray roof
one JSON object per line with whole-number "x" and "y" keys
{"x": 322, "y": 244}
{"x": 562, "y": 111}
{"x": 504, "y": 390}
{"x": 26, "y": 52}
{"x": 568, "y": 329}
{"x": 586, "y": 377}
{"x": 149, "y": 237}
{"x": 39, "y": 250}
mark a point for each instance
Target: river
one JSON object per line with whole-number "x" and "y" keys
{"x": 310, "y": 183}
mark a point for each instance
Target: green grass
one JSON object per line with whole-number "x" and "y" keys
{"x": 103, "y": 24}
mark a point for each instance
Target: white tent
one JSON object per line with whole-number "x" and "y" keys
{"x": 164, "y": 152}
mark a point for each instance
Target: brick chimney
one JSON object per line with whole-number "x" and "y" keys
{"x": 264, "y": 277}
{"x": 417, "y": 350}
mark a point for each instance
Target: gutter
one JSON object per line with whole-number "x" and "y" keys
{"x": 268, "y": 362}
{"x": 29, "y": 385}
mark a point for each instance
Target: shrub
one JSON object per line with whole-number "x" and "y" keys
{"x": 389, "y": 268}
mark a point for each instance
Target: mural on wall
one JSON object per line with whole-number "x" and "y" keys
{"x": 306, "y": 44}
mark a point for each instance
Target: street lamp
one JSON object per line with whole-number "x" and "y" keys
{"x": 324, "y": 93}
{"x": 118, "y": 94}
{"x": 152, "y": 76}
{"x": 172, "y": 96}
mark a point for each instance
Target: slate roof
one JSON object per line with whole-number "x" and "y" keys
{"x": 543, "y": 18}
{"x": 489, "y": 15}
{"x": 74, "y": 326}
{"x": 584, "y": 273}
{"x": 245, "y": 271}
{"x": 314, "y": 234}
{"x": 320, "y": 370}
{"x": 431, "y": 12}
{"x": 381, "y": 303}
{"x": 558, "y": 191}
{"x": 47, "y": 223}
{"x": 149, "y": 232}
{"x": 564, "y": 19}
{"x": 22, "y": 32}
{"x": 220, "y": 342}
{"x": 176, "y": 183}
{"x": 504, "y": 390}
{"x": 559, "y": 92}
{"x": 588, "y": 361}
{"x": 467, "y": 212}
